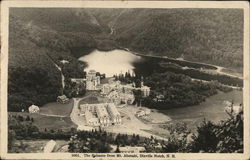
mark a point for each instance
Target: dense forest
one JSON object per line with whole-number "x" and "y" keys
{"x": 34, "y": 53}
{"x": 224, "y": 137}
{"x": 171, "y": 90}
{"x": 31, "y": 86}
{"x": 176, "y": 90}
{"x": 41, "y": 38}
{"x": 212, "y": 36}
{"x": 201, "y": 75}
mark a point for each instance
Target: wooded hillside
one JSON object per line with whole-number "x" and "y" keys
{"x": 39, "y": 38}
{"x": 212, "y": 36}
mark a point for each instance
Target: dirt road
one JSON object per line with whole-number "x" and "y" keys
{"x": 52, "y": 115}
{"x": 219, "y": 69}
{"x": 76, "y": 118}
{"x": 132, "y": 125}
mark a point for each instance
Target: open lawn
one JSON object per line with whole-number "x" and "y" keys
{"x": 54, "y": 123}
{"x": 48, "y": 122}
{"x": 92, "y": 97}
{"x": 56, "y": 108}
{"x": 213, "y": 109}
{"x": 89, "y": 100}
{"x": 105, "y": 80}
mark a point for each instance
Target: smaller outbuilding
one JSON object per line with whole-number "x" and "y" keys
{"x": 234, "y": 109}
{"x": 159, "y": 98}
{"x": 64, "y": 61}
{"x": 34, "y": 109}
{"x": 62, "y": 99}
{"x": 143, "y": 112}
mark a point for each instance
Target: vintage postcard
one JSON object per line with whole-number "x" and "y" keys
{"x": 124, "y": 80}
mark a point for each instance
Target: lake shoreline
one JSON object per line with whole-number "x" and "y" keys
{"x": 217, "y": 69}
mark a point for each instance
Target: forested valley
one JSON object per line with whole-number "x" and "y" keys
{"x": 40, "y": 38}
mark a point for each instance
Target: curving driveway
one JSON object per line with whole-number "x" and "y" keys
{"x": 131, "y": 126}
{"x": 76, "y": 118}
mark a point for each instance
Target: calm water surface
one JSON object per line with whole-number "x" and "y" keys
{"x": 120, "y": 61}
{"x": 110, "y": 62}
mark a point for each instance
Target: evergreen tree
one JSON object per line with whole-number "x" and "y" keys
{"x": 117, "y": 149}
{"x": 27, "y": 118}
{"x": 206, "y": 139}
{"x": 20, "y": 118}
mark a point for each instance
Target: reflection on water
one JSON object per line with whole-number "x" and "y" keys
{"x": 117, "y": 61}
{"x": 110, "y": 62}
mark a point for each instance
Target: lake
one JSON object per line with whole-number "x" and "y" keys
{"x": 111, "y": 62}
{"x": 120, "y": 61}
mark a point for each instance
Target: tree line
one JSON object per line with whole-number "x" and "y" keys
{"x": 170, "y": 90}
{"x": 186, "y": 32}
{"x": 29, "y": 86}
{"x": 223, "y": 137}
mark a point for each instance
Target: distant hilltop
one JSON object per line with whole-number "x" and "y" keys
{"x": 40, "y": 37}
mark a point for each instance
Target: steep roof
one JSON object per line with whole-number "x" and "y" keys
{"x": 113, "y": 110}
{"x": 89, "y": 116}
{"x": 101, "y": 111}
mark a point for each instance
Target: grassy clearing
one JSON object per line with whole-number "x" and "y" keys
{"x": 54, "y": 123}
{"x": 89, "y": 100}
{"x": 158, "y": 132}
{"x": 92, "y": 97}
{"x": 105, "y": 80}
{"x": 56, "y": 108}
{"x": 212, "y": 109}
{"x": 48, "y": 122}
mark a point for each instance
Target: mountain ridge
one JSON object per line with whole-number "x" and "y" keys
{"x": 209, "y": 36}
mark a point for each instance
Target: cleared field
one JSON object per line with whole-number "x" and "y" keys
{"x": 92, "y": 97}
{"x": 56, "y": 108}
{"x": 54, "y": 123}
{"x": 48, "y": 122}
{"x": 212, "y": 109}
{"x": 105, "y": 80}
{"x": 89, "y": 100}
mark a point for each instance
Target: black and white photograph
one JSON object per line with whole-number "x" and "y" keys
{"x": 125, "y": 79}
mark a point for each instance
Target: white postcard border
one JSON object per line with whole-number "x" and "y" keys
{"x": 5, "y": 5}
